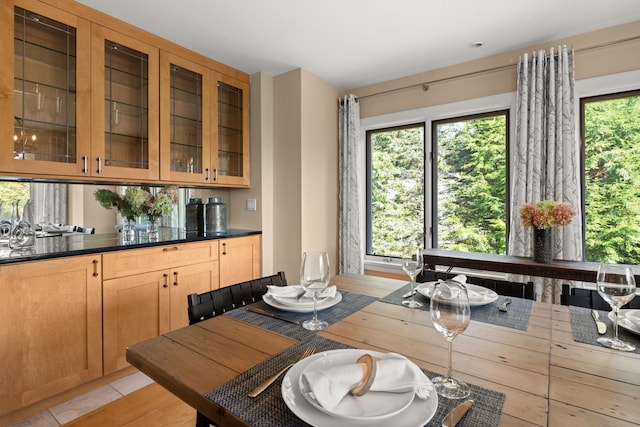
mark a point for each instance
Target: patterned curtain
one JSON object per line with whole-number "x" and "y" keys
{"x": 545, "y": 156}
{"x": 350, "y": 251}
{"x": 49, "y": 203}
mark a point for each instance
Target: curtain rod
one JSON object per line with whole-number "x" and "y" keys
{"x": 425, "y": 85}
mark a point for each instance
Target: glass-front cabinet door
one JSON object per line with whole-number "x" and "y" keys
{"x": 231, "y": 162}
{"x": 185, "y": 134}
{"x": 125, "y": 107}
{"x": 44, "y": 90}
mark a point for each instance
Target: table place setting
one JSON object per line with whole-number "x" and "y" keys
{"x": 585, "y": 329}
{"x": 617, "y": 286}
{"x": 342, "y": 385}
{"x": 289, "y": 323}
{"x": 487, "y": 306}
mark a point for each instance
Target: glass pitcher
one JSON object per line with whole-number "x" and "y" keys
{"x": 23, "y": 234}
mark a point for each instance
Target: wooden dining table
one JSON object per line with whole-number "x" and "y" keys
{"x": 548, "y": 378}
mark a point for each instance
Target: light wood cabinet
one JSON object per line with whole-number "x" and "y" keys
{"x": 231, "y": 162}
{"x": 185, "y": 120}
{"x": 145, "y": 293}
{"x": 50, "y": 327}
{"x": 45, "y": 90}
{"x": 204, "y": 124}
{"x": 125, "y": 107}
{"x": 94, "y": 99}
{"x": 239, "y": 259}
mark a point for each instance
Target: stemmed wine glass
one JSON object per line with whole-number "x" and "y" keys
{"x": 413, "y": 267}
{"x": 617, "y": 286}
{"x": 314, "y": 278}
{"x": 450, "y": 313}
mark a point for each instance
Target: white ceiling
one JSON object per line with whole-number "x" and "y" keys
{"x": 353, "y": 43}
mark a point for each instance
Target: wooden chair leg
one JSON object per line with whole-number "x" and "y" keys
{"x": 202, "y": 421}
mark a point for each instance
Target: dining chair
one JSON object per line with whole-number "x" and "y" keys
{"x": 590, "y": 298}
{"x": 218, "y": 301}
{"x": 213, "y": 303}
{"x": 501, "y": 287}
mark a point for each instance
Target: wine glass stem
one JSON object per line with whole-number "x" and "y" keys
{"x": 315, "y": 307}
{"x": 412, "y": 287}
{"x": 615, "y": 322}
{"x": 449, "y": 375}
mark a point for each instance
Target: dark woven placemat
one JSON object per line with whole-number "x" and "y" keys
{"x": 584, "y": 328}
{"x": 269, "y": 409}
{"x": 516, "y": 317}
{"x": 350, "y": 304}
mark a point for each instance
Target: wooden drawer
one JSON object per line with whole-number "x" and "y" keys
{"x": 136, "y": 261}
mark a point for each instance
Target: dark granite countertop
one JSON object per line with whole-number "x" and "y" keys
{"x": 84, "y": 244}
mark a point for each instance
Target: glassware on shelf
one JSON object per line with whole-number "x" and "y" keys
{"x": 128, "y": 231}
{"x": 23, "y": 234}
{"x": 5, "y": 229}
{"x": 153, "y": 231}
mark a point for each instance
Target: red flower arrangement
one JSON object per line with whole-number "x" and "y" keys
{"x": 546, "y": 214}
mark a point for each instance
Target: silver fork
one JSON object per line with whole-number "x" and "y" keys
{"x": 264, "y": 385}
{"x": 503, "y": 307}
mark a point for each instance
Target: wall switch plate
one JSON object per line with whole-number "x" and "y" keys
{"x": 251, "y": 204}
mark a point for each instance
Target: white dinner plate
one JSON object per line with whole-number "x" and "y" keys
{"x": 418, "y": 413}
{"x": 629, "y": 319}
{"x": 478, "y": 295}
{"x": 374, "y": 405}
{"x": 322, "y": 305}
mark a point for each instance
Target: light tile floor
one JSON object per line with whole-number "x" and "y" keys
{"x": 74, "y": 408}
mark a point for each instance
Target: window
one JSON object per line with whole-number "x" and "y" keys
{"x": 468, "y": 194}
{"x": 470, "y": 183}
{"x": 611, "y": 187}
{"x": 10, "y": 192}
{"x": 395, "y": 190}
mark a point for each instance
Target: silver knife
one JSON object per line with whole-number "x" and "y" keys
{"x": 456, "y": 414}
{"x": 602, "y": 327}
{"x": 270, "y": 314}
{"x": 408, "y": 294}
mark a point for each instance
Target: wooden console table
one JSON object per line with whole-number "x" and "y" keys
{"x": 569, "y": 270}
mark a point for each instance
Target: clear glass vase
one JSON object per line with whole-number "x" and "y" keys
{"x": 153, "y": 233}
{"x": 128, "y": 231}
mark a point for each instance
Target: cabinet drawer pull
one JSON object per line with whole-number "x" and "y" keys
{"x": 166, "y": 284}
{"x": 95, "y": 268}
{"x": 175, "y": 248}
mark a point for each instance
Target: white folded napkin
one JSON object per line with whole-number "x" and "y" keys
{"x": 296, "y": 293}
{"x": 473, "y": 295}
{"x": 394, "y": 373}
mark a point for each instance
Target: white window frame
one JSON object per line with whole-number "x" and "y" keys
{"x": 427, "y": 115}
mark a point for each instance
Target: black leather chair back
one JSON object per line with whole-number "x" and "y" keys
{"x": 213, "y": 303}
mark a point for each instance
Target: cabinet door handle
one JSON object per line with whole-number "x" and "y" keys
{"x": 85, "y": 168}
{"x": 206, "y": 175}
{"x": 175, "y": 278}
{"x": 95, "y": 268}
{"x": 224, "y": 249}
{"x": 215, "y": 174}
{"x": 166, "y": 284}
{"x": 99, "y": 159}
